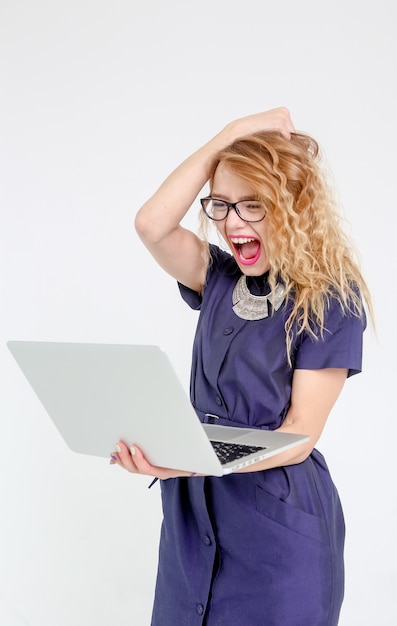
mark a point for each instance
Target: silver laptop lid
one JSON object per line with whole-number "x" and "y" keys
{"x": 97, "y": 394}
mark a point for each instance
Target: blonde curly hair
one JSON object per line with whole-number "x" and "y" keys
{"x": 307, "y": 246}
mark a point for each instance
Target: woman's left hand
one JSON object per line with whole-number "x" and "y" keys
{"x": 133, "y": 460}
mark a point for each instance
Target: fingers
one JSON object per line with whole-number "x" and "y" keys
{"x": 276, "y": 119}
{"x": 131, "y": 459}
{"x": 283, "y": 122}
{"x": 134, "y": 461}
{"x": 279, "y": 119}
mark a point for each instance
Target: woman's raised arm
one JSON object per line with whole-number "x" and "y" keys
{"x": 179, "y": 251}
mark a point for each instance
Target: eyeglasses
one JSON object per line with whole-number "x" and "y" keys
{"x": 247, "y": 210}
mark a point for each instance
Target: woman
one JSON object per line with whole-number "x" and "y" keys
{"x": 280, "y": 330}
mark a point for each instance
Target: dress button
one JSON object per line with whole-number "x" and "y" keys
{"x": 207, "y": 540}
{"x": 228, "y": 330}
{"x": 218, "y": 400}
{"x": 199, "y": 609}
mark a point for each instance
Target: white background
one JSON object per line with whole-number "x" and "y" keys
{"x": 99, "y": 101}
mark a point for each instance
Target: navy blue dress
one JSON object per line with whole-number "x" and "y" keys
{"x": 258, "y": 548}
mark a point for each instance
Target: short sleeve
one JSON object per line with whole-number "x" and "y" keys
{"x": 191, "y": 297}
{"x": 340, "y": 346}
{"x": 221, "y": 261}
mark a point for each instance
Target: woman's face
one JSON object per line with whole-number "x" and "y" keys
{"x": 246, "y": 240}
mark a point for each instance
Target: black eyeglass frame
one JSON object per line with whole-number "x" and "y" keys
{"x": 230, "y": 205}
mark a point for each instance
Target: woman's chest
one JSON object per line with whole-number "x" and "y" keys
{"x": 242, "y": 363}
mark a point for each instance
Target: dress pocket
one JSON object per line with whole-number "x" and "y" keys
{"x": 292, "y": 518}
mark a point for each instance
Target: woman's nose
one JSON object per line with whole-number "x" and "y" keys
{"x": 234, "y": 218}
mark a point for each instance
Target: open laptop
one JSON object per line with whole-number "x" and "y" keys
{"x": 98, "y": 394}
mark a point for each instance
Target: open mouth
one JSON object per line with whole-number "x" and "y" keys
{"x": 246, "y": 249}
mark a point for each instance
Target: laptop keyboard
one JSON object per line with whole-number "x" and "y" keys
{"x": 227, "y": 451}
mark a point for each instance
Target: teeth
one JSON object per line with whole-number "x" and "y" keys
{"x": 241, "y": 240}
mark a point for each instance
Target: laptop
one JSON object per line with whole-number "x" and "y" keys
{"x": 98, "y": 394}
